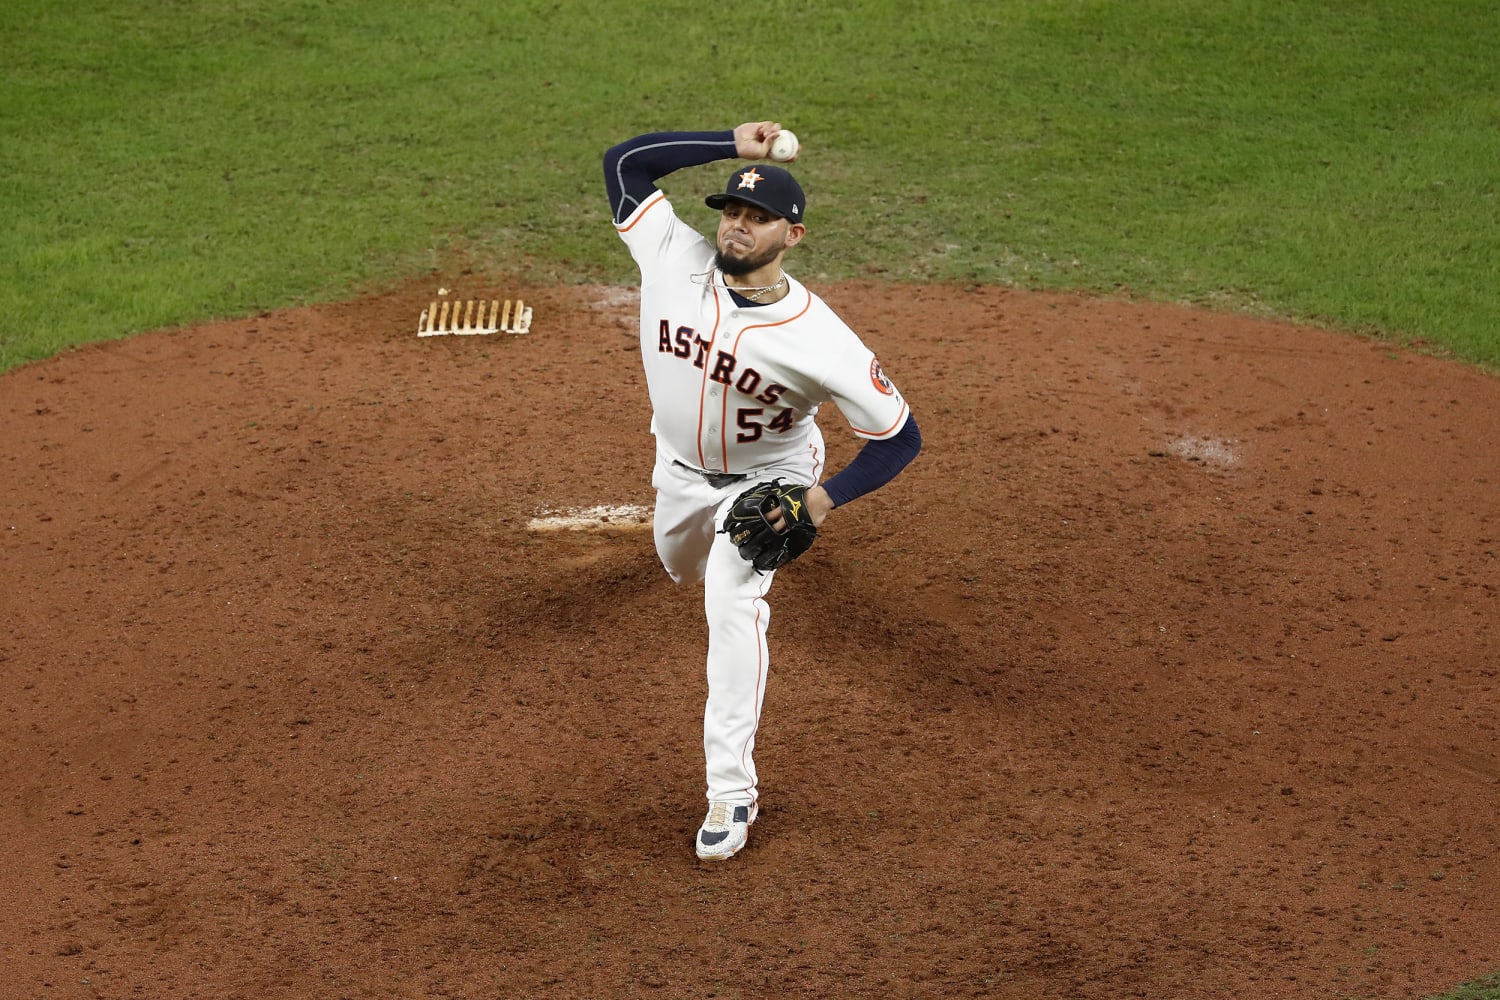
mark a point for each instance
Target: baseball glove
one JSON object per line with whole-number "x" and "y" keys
{"x": 762, "y": 545}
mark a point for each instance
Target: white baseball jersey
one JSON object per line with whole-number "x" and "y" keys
{"x": 735, "y": 388}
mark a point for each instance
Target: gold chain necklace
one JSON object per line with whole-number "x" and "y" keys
{"x": 755, "y": 294}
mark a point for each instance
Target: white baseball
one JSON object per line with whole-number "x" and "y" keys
{"x": 784, "y": 147}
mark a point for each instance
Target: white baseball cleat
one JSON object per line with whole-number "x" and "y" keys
{"x": 725, "y": 830}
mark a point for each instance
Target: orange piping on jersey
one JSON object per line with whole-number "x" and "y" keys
{"x": 761, "y": 326}
{"x": 735, "y": 350}
{"x": 703, "y": 389}
{"x": 889, "y": 430}
{"x": 640, "y": 213}
{"x": 724, "y": 429}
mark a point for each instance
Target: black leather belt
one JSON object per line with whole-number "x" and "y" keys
{"x": 718, "y": 480}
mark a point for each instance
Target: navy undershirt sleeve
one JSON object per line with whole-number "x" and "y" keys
{"x": 632, "y": 168}
{"x": 877, "y": 463}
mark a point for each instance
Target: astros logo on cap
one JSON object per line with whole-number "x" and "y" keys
{"x": 749, "y": 179}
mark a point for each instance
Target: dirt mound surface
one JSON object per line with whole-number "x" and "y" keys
{"x": 1167, "y": 670}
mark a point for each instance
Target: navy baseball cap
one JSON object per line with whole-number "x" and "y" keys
{"x": 764, "y": 186}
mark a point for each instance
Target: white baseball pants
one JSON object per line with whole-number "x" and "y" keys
{"x": 688, "y": 515}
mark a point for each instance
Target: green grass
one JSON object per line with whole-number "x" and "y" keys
{"x": 1484, "y": 988}
{"x": 164, "y": 163}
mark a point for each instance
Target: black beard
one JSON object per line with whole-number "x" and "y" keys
{"x": 738, "y": 266}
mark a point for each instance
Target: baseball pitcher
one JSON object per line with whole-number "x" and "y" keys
{"x": 739, "y": 357}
